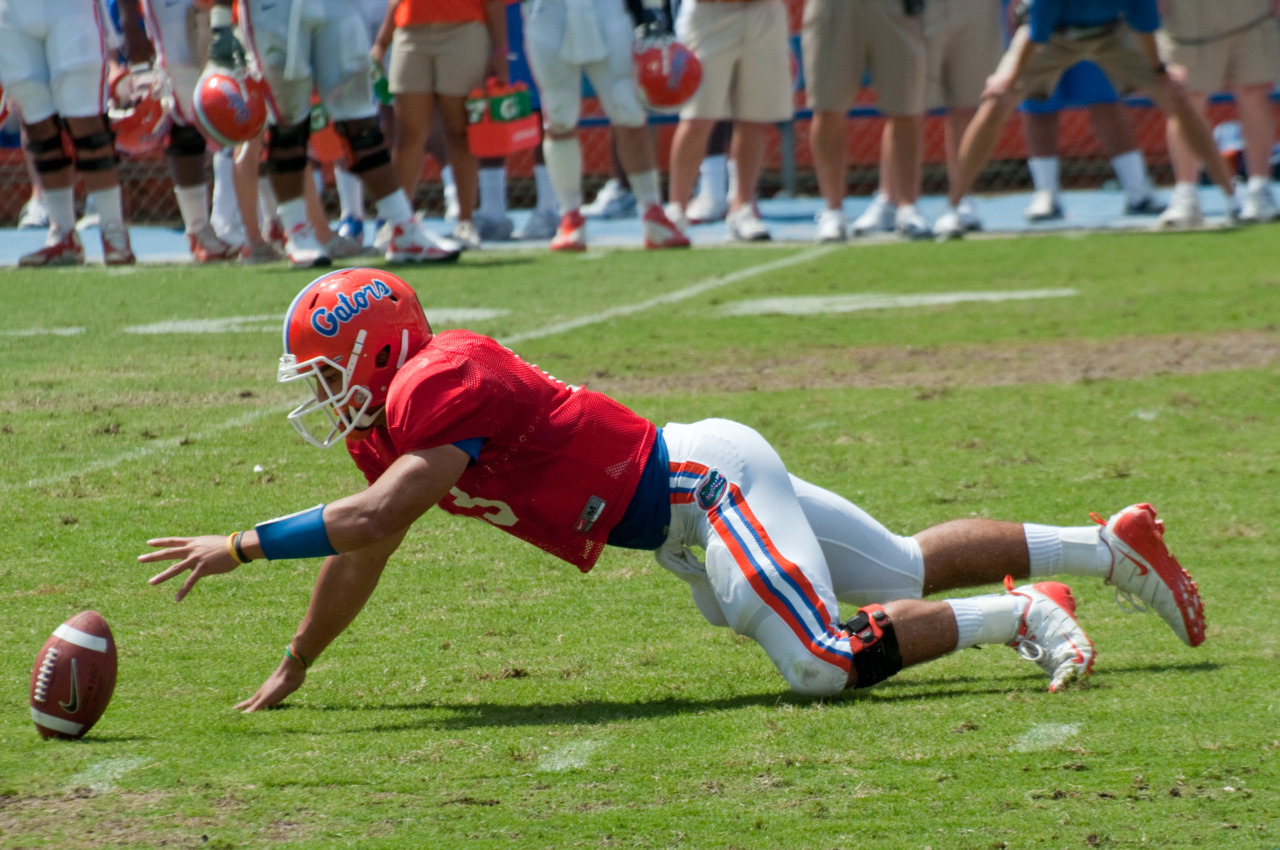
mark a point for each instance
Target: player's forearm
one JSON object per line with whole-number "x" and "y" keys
{"x": 342, "y": 588}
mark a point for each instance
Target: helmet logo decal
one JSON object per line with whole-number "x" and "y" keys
{"x": 327, "y": 322}
{"x": 235, "y": 100}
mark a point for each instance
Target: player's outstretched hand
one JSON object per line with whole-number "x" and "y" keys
{"x": 204, "y": 556}
{"x": 287, "y": 678}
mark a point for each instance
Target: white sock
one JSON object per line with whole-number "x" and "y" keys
{"x": 1075, "y": 551}
{"x": 193, "y": 204}
{"x": 493, "y": 192}
{"x": 713, "y": 178}
{"x": 1131, "y": 171}
{"x": 987, "y": 619}
{"x": 226, "y": 211}
{"x": 1044, "y": 174}
{"x": 350, "y": 193}
{"x": 61, "y": 205}
{"x": 546, "y": 195}
{"x": 395, "y": 208}
{"x": 564, "y": 167}
{"x": 267, "y": 202}
{"x": 109, "y": 204}
{"x": 1258, "y": 182}
{"x": 645, "y": 187}
{"x": 731, "y": 179}
{"x": 292, "y": 213}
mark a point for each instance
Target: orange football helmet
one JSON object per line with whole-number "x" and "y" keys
{"x": 668, "y": 74}
{"x": 230, "y": 108}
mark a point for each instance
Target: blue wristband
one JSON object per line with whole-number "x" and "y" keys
{"x": 299, "y": 535}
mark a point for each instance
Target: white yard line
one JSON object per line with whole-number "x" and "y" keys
{"x": 165, "y": 446}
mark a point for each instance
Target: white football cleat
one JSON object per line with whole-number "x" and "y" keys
{"x": 571, "y": 235}
{"x": 303, "y": 249}
{"x": 1048, "y": 633}
{"x": 466, "y": 234}
{"x": 116, "y": 248}
{"x": 660, "y": 232}
{"x": 1183, "y": 210}
{"x": 832, "y": 226}
{"x": 1143, "y": 568}
{"x": 34, "y": 215}
{"x": 879, "y": 217}
{"x": 206, "y": 247}
{"x": 60, "y": 249}
{"x": 413, "y": 243}
{"x": 341, "y": 247}
{"x": 745, "y": 225}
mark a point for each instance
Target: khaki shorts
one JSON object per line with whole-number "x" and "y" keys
{"x": 1224, "y": 44}
{"x": 1117, "y": 53}
{"x": 447, "y": 59}
{"x": 963, "y": 46}
{"x": 842, "y": 39}
{"x": 746, "y": 60}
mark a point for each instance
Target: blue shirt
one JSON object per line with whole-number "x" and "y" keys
{"x": 1046, "y": 16}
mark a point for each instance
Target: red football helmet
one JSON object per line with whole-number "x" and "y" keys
{"x": 362, "y": 324}
{"x": 230, "y": 108}
{"x": 667, "y": 73}
{"x": 141, "y": 126}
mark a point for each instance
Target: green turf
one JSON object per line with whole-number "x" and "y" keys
{"x": 490, "y": 696}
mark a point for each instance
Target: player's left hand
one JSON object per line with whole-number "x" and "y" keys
{"x": 204, "y": 556}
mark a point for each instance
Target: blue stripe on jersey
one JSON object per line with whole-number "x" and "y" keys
{"x": 648, "y": 515}
{"x": 472, "y": 446}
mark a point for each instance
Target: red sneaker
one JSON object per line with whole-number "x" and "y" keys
{"x": 116, "y": 250}
{"x": 60, "y": 249}
{"x": 206, "y": 247}
{"x": 572, "y": 233}
{"x": 1142, "y": 567}
{"x": 659, "y": 232}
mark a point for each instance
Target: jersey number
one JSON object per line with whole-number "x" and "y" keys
{"x": 500, "y": 513}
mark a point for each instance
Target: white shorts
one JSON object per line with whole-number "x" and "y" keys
{"x": 306, "y": 45}
{"x": 169, "y": 26}
{"x": 779, "y": 552}
{"x": 53, "y": 57}
{"x": 559, "y": 80}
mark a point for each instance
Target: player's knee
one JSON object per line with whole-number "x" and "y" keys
{"x": 813, "y": 677}
{"x": 44, "y": 143}
{"x": 287, "y": 148}
{"x": 95, "y": 147}
{"x": 185, "y": 141}
{"x": 874, "y": 644}
{"x": 625, "y": 109}
{"x": 368, "y": 145}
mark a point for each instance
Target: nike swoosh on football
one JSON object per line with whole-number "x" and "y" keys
{"x": 73, "y": 705}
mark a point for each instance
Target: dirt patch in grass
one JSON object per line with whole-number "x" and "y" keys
{"x": 1048, "y": 361}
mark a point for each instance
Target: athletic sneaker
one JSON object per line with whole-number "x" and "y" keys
{"x": 1142, "y": 567}
{"x": 1259, "y": 207}
{"x": 304, "y": 250}
{"x": 1044, "y": 206}
{"x": 1048, "y": 633}
{"x": 1147, "y": 206}
{"x": 745, "y": 226}
{"x": 948, "y": 225}
{"x": 276, "y": 235}
{"x": 541, "y": 225}
{"x": 704, "y": 208}
{"x": 1183, "y": 209}
{"x": 494, "y": 228}
{"x": 675, "y": 214}
{"x": 351, "y": 228}
{"x": 60, "y": 249}
{"x": 659, "y": 232}
{"x": 571, "y": 235}
{"x": 206, "y": 247}
{"x": 968, "y": 214}
{"x": 341, "y": 247}
{"x": 910, "y": 224}
{"x": 832, "y": 226}
{"x": 612, "y": 201}
{"x": 34, "y": 216}
{"x": 116, "y": 249}
{"x": 466, "y": 234}
{"x": 256, "y": 255}
{"x": 879, "y": 217}
{"x": 413, "y": 243}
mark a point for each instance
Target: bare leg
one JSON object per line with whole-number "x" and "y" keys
{"x": 969, "y": 552}
{"x": 827, "y": 140}
{"x": 688, "y": 147}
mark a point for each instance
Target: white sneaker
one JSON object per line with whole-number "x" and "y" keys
{"x": 1142, "y": 567}
{"x": 968, "y": 213}
{"x": 341, "y": 247}
{"x": 206, "y": 247}
{"x": 116, "y": 247}
{"x": 832, "y": 226}
{"x": 660, "y": 231}
{"x": 413, "y": 243}
{"x": 382, "y": 237}
{"x": 257, "y": 255}
{"x": 745, "y": 226}
{"x": 612, "y": 201}
{"x": 704, "y": 208}
{"x": 1259, "y": 207}
{"x": 879, "y": 217}
{"x": 948, "y": 225}
{"x": 1183, "y": 209}
{"x": 303, "y": 249}
{"x": 34, "y": 216}
{"x": 1044, "y": 206}
{"x": 909, "y": 224}
{"x": 541, "y": 225}
{"x": 466, "y": 234}
{"x": 676, "y": 215}
{"x": 1048, "y": 633}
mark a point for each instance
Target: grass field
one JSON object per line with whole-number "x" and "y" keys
{"x": 490, "y": 696}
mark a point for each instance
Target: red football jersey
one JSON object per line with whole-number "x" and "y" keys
{"x": 559, "y": 465}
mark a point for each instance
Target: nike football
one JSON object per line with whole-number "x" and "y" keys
{"x": 74, "y": 676}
